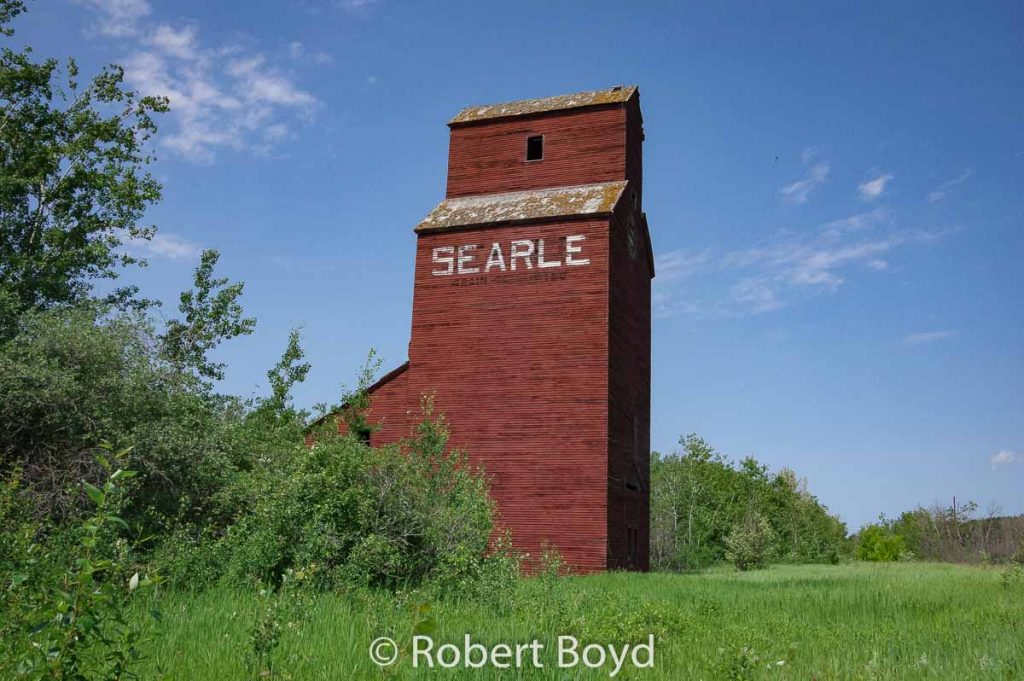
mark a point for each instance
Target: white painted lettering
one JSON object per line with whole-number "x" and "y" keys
{"x": 495, "y": 259}
{"x": 443, "y": 256}
{"x": 524, "y": 254}
{"x": 541, "y": 262}
{"x": 465, "y": 257}
{"x": 571, "y": 249}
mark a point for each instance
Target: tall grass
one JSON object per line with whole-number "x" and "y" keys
{"x": 859, "y": 621}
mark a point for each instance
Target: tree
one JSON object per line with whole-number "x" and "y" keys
{"x": 878, "y": 543}
{"x": 212, "y": 314}
{"x": 73, "y": 185}
{"x": 750, "y": 542}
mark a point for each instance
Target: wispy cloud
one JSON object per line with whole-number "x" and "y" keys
{"x": 222, "y": 97}
{"x": 1005, "y": 457}
{"x": 356, "y": 5}
{"x": 784, "y": 269}
{"x": 874, "y": 188}
{"x": 940, "y": 193}
{"x": 118, "y": 17}
{"x": 799, "y": 192}
{"x": 928, "y": 337}
{"x": 811, "y": 153}
{"x": 860, "y": 222}
{"x": 299, "y": 52}
{"x": 164, "y": 245}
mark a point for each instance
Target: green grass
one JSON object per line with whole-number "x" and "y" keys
{"x": 859, "y": 621}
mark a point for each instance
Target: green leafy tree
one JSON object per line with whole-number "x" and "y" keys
{"x": 73, "y": 184}
{"x": 698, "y": 496}
{"x": 212, "y": 314}
{"x": 750, "y": 542}
{"x": 878, "y": 543}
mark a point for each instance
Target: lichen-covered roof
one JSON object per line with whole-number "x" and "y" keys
{"x": 535, "y": 204}
{"x": 523, "y": 107}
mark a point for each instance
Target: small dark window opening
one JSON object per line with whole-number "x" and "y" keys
{"x": 364, "y": 435}
{"x": 535, "y": 148}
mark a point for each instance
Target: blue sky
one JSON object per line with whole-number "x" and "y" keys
{"x": 834, "y": 194}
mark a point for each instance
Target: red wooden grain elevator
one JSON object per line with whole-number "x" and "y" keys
{"x": 531, "y": 322}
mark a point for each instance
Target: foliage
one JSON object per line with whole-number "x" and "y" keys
{"x": 212, "y": 314}
{"x": 51, "y": 373}
{"x": 750, "y": 542}
{"x": 73, "y": 185}
{"x": 960, "y": 533}
{"x": 698, "y": 496}
{"x": 879, "y": 543}
{"x": 355, "y": 515}
{"x": 68, "y": 615}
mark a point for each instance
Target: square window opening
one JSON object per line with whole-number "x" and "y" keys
{"x": 535, "y": 148}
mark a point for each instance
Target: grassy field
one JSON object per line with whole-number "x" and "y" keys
{"x": 860, "y": 621}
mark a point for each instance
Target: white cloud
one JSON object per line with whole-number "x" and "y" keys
{"x": 810, "y": 153}
{"x": 298, "y": 52}
{"x": 118, "y": 17}
{"x": 856, "y": 223}
{"x": 800, "y": 191}
{"x": 784, "y": 269}
{"x": 220, "y": 97}
{"x": 942, "y": 191}
{"x": 262, "y": 85}
{"x": 181, "y": 43}
{"x": 680, "y": 264}
{"x": 164, "y": 245}
{"x": 872, "y": 189}
{"x": 357, "y": 5}
{"x": 1005, "y": 457}
{"x": 928, "y": 337}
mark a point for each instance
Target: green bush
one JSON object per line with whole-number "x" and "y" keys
{"x": 879, "y": 544}
{"x": 750, "y": 542}
{"x": 73, "y": 378}
{"x": 350, "y": 515}
{"x": 65, "y": 612}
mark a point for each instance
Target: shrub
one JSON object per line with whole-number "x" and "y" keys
{"x": 750, "y": 542}
{"x": 877, "y": 543}
{"x": 355, "y": 515}
{"x": 66, "y": 612}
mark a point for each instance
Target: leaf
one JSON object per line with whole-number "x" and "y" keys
{"x": 122, "y": 473}
{"x": 425, "y": 627}
{"x": 94, "y": 493}
{"x": 118, "y": 521}
{"x": 133, "y": 583}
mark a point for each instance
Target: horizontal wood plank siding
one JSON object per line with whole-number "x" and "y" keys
{"x": 580, "y": 147}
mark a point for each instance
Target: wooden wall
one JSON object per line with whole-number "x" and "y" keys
{"x": 544, "y": 375}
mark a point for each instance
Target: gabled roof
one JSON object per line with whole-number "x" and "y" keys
{"x": 535, "y": 204}
{"x": 524, "y": 107}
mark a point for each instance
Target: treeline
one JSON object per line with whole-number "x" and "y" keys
{"x": 706, "y": 509}
{"x": 955, "y": 534}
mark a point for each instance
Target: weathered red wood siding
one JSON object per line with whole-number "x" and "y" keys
{"x": 518, "y": 363}
{"x": 629, "y": 382}
{"x": 580, "y": 147}
{"x": 543, "y": 375}
{"x": 393, "y": 409}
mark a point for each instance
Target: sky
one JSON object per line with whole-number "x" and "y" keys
{"x": 833, "y": 192}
